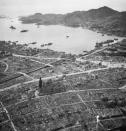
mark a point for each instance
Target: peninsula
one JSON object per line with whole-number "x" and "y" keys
{"x": 104, "y": 20}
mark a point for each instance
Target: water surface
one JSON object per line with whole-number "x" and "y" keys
{"x": 79, "y": 39}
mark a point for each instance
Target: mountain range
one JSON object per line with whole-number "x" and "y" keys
{"x": 104, "y": 20}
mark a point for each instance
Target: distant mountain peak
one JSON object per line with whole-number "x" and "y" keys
{"x": 104, "y": 9}
{"x": 101, "y": 12}
{"x": 107, "y": 8}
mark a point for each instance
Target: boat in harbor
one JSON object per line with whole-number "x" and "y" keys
{"x": 67, "y": 36}
{"x": 12, "y": 27}
{"x": 23, "y": 31}
{"x": 33, "y": 43}
{"x": 49, "y": 44}
{"x": 42, "y": 45}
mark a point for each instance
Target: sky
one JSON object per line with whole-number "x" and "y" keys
{"x": 16, "y": 8}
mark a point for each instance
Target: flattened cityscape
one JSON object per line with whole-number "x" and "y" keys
{"x": 76, "y": 92}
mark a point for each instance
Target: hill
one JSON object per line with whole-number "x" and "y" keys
{"x": 43, "y": 19}
{"x": 104, "y": 19}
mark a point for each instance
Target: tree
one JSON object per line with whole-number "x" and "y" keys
{"x": 40, "y": 84}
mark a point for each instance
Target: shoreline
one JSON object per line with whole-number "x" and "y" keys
{"x": 101, "y": 31}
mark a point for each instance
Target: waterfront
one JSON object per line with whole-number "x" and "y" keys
{"x": 79, "y": 39}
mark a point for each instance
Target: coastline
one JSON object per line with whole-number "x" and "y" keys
{"x": 102, "y": 30}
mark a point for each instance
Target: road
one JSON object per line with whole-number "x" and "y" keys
{"x": 42, "y": 63}
{"x": 110, "y": 65}
{"x": 12, "y": 124}
{"x": 54, "y": 77}
{"x": 16, "y": 55}
{"x": 98, "y": 50}
{"x": 27, "y": 76}
{"x": 33, "y": 57}
{"x": 105, "y": 63}
{"x": 70, "y": 91}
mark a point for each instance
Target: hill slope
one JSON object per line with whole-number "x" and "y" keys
{"x": 103, "y": 19}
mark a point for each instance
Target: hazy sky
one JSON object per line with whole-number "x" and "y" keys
{"x": 25, "y": 7}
